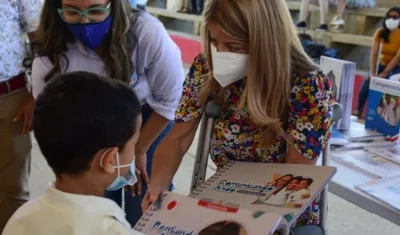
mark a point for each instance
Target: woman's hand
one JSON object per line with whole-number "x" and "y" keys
{"x": 141, "y": 173}
{"x": 382, "y": 75}
{"x": 136, "y": 189}
{"x": 25, "y": 112}
{"x": 151, "y": 196}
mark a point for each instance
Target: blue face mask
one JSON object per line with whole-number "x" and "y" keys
{"x": 91, "y": 34}
{"x": 122, "y": 181}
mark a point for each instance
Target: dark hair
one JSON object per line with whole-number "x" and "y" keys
{"x": 285, "y": 176}
{"x": 221, "y": 228}
{"x": 309, "y": 180}
{"x": 80, "y": 113}
{"x": 53, "y": 36}
{"x": 299, "y": 178}
{"x": 385, "y": 32}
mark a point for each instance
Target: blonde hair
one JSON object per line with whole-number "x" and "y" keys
{"x": 275, "y": 53}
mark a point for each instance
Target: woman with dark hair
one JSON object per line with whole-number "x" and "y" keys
{"x": 386, "y": 42}
{"x": 110, "y": 38}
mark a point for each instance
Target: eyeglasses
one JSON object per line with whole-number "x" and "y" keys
{"x": 392, "y": 17}
{"x": 95, "y": 14}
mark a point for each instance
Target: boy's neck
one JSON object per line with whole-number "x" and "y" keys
{"x": 78, "y": 185}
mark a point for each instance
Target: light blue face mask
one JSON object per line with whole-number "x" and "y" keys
{"x": 122, "y": 181}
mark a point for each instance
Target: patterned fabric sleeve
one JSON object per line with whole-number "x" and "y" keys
{"x": 189, "y": 105}
{"x": 30, "y": 14}
{"x": 310, "y": 114}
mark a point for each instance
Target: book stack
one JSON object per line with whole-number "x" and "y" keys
{"x": 342, "y": 75}
{"x": 382, "y": 164}
{"x": 357, "y": 137}
{"x": 383, "y": 114}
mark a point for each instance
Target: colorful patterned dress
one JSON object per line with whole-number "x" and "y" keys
{"x": 308, "y": 125}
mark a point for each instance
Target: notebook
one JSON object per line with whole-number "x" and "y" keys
{"x": 370, "y": 163}
{"x": 181, "y": 215}
{"x": 342, "y": 74}
{"x": 386, "y": 190}
{"x": 390, "y": 153}
{"x": 383, "y": 114}
{"x": 337, "y": 138}
{"x": 285, "y": 189}
{"x": 357, "y": 132}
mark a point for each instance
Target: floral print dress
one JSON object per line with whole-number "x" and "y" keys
{"x": 308, "y": 124}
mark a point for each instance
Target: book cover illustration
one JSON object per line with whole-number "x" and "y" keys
{"x": 341, "y": 73}
{"x": 390, "y": 153}
{"x": 285, "y": 189}
{"x": 386, "y": 190}
{"x": 183, "y": 215}
{"x": 333, "y": 68}
{"x": 384, "y": 107}
{"x": 370, "y": 163}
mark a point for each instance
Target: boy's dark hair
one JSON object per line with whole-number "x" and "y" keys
{"x": 298, "y": 178}
{"x": 222, "y": 228}
{"x": 309, "y": 180}
{"x": 80, "y": 113}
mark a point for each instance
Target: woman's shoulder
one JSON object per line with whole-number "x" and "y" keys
{"x": 311, "y": 79}
{"x": 311, "y": 87}
{"x": 200, "y": 64}
{"x": 42, "y": 62}
{"x": 145, "y": 21}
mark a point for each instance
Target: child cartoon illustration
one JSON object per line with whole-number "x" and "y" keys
{"x": 389, "y": 110}
{"x": 397, "y": 110}
{"x": 300, "y": 194}
{"x": 332, "y": 78}
{"x": 278, "y": 183}
{"x": 285, "y": 185}
{"x": 379, "y": 108}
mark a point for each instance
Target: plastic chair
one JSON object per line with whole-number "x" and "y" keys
{"x": 212, "y": 112}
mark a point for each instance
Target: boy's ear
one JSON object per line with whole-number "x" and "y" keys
{"x": 108, "y": 159}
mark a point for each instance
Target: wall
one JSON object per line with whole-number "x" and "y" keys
{"x": 359, "y": 54}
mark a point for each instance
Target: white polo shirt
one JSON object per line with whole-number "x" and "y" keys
{"x": 60, "y": 213}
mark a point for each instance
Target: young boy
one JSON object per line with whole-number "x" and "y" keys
{"x": 300, "y": 194}
{"x": 86, "y": 127}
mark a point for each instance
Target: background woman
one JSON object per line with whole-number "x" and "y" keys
{"x": 275, "y": 102}
{"x": 108, "y": 38}
{"x": 387, "y": 41}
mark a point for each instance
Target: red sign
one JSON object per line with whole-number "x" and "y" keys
{"x": 217, "y": 206}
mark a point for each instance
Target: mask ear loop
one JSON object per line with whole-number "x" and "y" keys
{"x": 119, "y": 174}
{"x": 122, "y": 189}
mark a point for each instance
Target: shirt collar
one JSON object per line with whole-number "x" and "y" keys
{"x": 87, "y": 204}
{"x": 83, "y": 49}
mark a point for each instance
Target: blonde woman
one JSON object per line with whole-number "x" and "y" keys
{"x": 275, "y": 101}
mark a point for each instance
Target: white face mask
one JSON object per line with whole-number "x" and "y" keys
{"x": 392, "y": 24}
{"x": 228, "y": 67}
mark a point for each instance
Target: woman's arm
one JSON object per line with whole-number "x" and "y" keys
{"x": 392, "y": 64}
{"x": 40, "y": 68}
{"x": 374, "y": 53}
{"x": 164, "y": 70}
{"x": 295, "y": 157}
{"x": 170, "y": 152}
{"x": 309, "y": 118}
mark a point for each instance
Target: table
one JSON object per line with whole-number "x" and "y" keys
{"x": 343, "y": 185}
